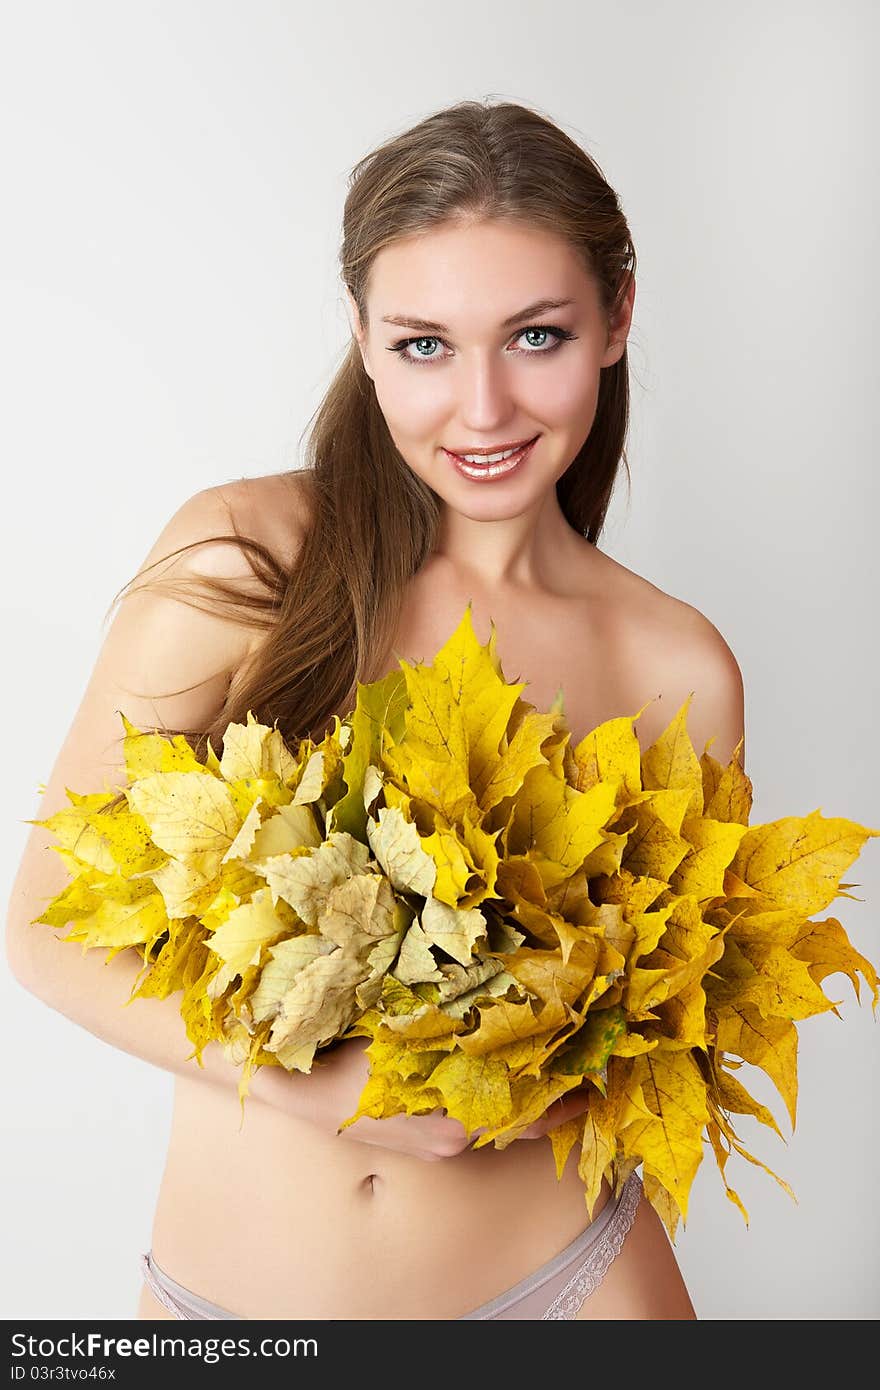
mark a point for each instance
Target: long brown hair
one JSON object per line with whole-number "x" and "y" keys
{"x": 330, "y": 614}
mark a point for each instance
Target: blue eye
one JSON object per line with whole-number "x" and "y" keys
{"x": 560, "y": 335}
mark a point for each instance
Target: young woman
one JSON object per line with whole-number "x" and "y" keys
{"x": 466, "y": 451}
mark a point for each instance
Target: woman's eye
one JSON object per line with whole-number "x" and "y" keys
{"x": 419, "y": 344}
{"x": 423, "y": 352}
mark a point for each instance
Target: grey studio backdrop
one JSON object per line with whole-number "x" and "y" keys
{"x": 171, "y": 317}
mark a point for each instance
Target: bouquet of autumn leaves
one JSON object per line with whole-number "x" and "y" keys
{"x": 504, "y": 916}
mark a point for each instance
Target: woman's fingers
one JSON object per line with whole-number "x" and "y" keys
{"x": 567, "y": 1108}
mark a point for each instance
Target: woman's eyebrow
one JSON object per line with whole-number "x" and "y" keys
{"x": 540, "y": 306}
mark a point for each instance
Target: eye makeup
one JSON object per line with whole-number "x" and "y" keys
{"x": 561, "y": 335}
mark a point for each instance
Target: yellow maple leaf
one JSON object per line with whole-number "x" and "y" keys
{"x": 825, "y": 948}
{"x": 144, "y": 754}
{"x": 193, "y": 818}
{"x": 713, "y": 845}
{"x": 318, "y": 1006}
{"x": 610, "y": 753}
{"x": 129, "y": 913}
{"x": 670, "y": 1141}
{"x": 672, "y": 762}
{"x": 376, "y": 722}
{"x": 767, "y": 1042}
{"x": 240, "y": 940}
{"x": 563, "y": 1139}
{"x": 251, "y": 751}
{"x": 398, "y": 849}
{"x": 305, "y": 877}
{"x": 798, "y": 861}
{"x": 727, "y": 791}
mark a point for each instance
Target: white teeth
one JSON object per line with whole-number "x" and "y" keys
{"x": 490, "y": 458}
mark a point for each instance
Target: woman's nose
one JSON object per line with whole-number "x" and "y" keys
{"x": 483, "y": 392}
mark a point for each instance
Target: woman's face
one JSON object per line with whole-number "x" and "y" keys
{"x": 463, "y": 369}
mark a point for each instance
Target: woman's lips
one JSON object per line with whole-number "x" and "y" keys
{"x": 487, "y": 472}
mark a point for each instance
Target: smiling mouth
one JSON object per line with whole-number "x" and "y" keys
{"x": 493, "y": 467}
{"x": 496, "y": 450}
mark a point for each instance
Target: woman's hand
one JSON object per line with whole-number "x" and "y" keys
{"x": 435, "y": 1135}
{"x": 330, "y": 1093}
{"x": 429, "y": 1137}
{"x": 568, "y": 1107}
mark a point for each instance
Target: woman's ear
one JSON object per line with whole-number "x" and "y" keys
{"x": 354, "y": 317}
{"x": 619, "y": 329}
{"x": 357, "y": 328}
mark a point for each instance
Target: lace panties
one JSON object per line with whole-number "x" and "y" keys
{"x": 555, "y": 1290}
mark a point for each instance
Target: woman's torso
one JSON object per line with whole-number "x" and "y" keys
{"x": 277, "y": 1218}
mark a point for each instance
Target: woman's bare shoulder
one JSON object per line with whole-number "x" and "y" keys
{"x": 640, "y": 607}
{"x": 669, "y": 650}
{"x": 650, "y": 614}
{"x": 273, "y": 508}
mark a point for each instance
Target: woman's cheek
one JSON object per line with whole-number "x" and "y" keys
{"x": 415, "y": 414}
{"x": 566, "y": 398}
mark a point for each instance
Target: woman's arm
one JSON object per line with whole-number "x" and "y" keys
{"x": 160, "y": 644}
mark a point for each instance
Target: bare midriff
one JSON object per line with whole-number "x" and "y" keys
{"x": 279, "y": 1219}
